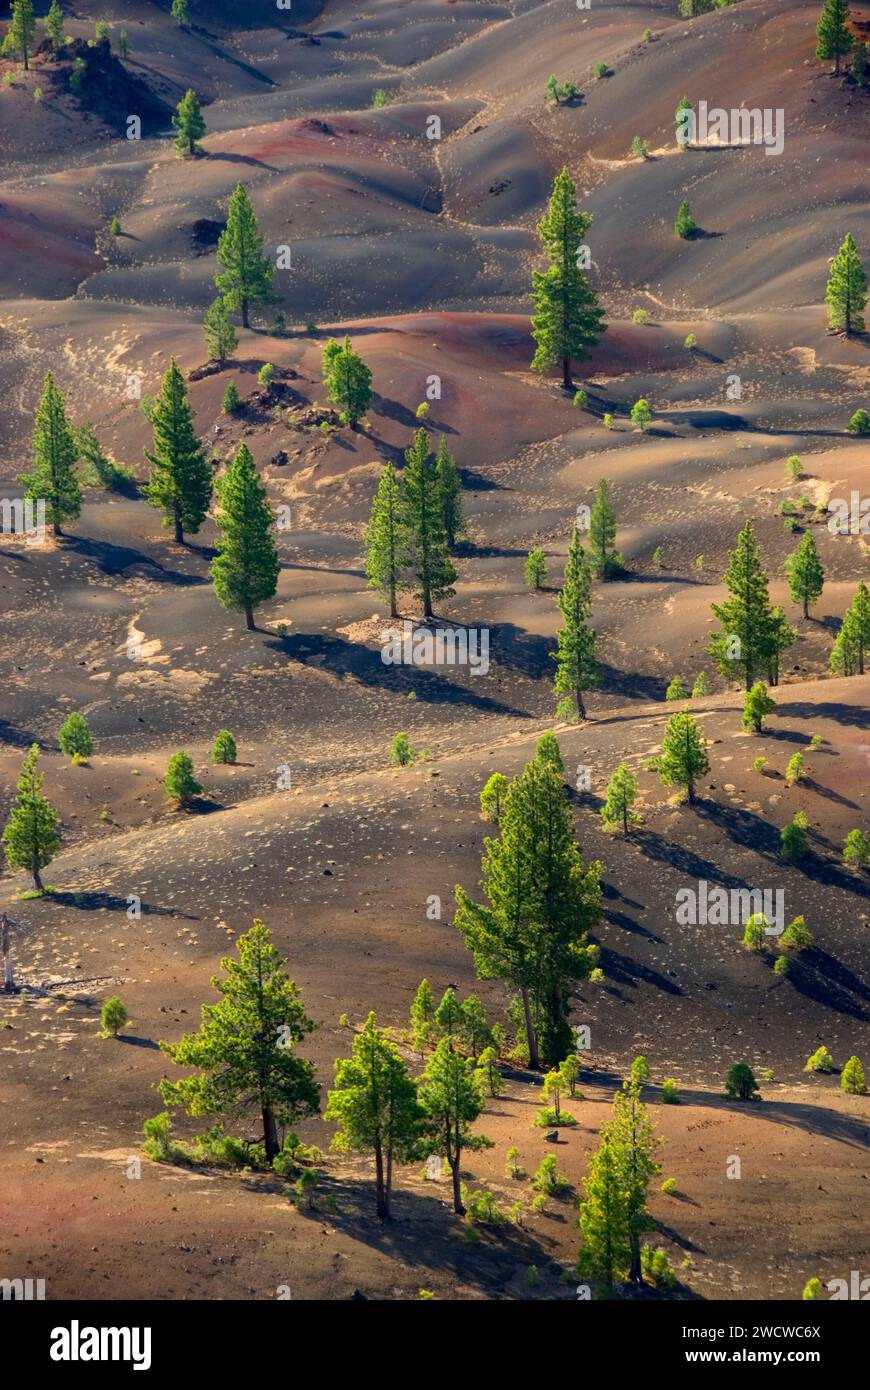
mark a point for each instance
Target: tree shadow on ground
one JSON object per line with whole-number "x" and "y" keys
{"x": 837, "y": 711}
{"x": 113, "y": 560}
{"x": 623, "y": 971}
{"x": 100, "y": 901}
{"x": 684, "y": 861}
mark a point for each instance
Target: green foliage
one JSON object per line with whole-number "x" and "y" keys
{"x": 683, "y": 758}
{"x": 232, "y": 401}
{"x": 846, "y": 293}
{"x": 685, "y": 225}
{"x": 640, "y": 1070}
{"x": 542, "y": 900}
{"x": 474, "y": 1030}
{"x": 641, "y": 317}
{"x": 581, "y": 399}
{"x": 223, "y": 750}
{"x": 669, "y": 1185}
{"x": 179, "y": 782}
{"x": 690, "y": 342}
{"x": 244, "y": 1057}
{"x": 246, "y": 277}
{"x": 180, "y": 481}
{"x": 560, "y": 91}
{"x": 793, "y": 841}
{"x": 448, "y": 1015}
{"x": 401, "y": 752}
{"x": 740, "y": 1083}
{"x": 347, "y": 379}
{"x": 780, "y": 967}
{"x": 701, "y": 686}
{"x": 21, "y": 33}
{"x": 547, "y": 751}
{"x": 158, "y": 1143}
{"x": 567, "y": 321}
{"x": 751, "y": 634}
{"x": 220, "y": 337}
{"x": 386, "y": 539}
{"x": 834, "y": 35}
{"x": 757, "y": 704}
{"x": 180, "y": 11}
{"x": 806, "y": 577}
{"x": 852, "y": 1078}
{"x": 99, "y": 470}
{"x": 601, "y": 70}
{"x": 619, "y": 799}
{"x": 856, "y": 850}
{"x": 605, "y": 1253}
{"x": 755, "y": 932}
{"x": 123, "y": 44}
{"x": 29, "y": 838}
{"x": 374, "y": 1103}
{"x": 75, "y": 738}
{"x": 428, "y": 556}
{"x": 640, "y": 147}
{"x": 569, "y": 1069}
{"x": 451, "y": 1102}
{"x": 54, "y": 458}
{"x": 657, "y": 1269}
{"x": 795, "y": 770}
{"x": 658, "y": 557}
{"x": 245, "y": 570}
{"x": 380, "y": 98}
{"x": 853, "y": 640}
{"x": 548, "y": 1179}
{"x": 859, "y": 423}
{"x": 77, "y": 75}
{"x": 794, "y": 468}
{"x": 492, "y": 797}
{"x": 604, "y": 558}
{"x": 535, "y": 570}
{"x": 641, "y": 415}
{"x": 487, "y": 1073}
{"x": 113, "y": 1016}
{"x": 676, "y": 690}
{"x": 450, "y": 485}
{"x": 820, "y": 1060}
{"x": 576, "y": 665}
{"x": 54, "y": 22}
{"x": 512, "y": 1167}
{"x": 189, "y": 123}
{"x": 670, "y": 1091}
{"x": 797, "y": 936}
{"x": 422, "y": 1017}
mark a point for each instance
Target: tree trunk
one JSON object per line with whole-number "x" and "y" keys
{"x": 245, "y": 323}
{"x": 634, "y": 1272}
{"x": 179, "y": 529}
{"x": 270, "y": 1133}
{"x": 457, "y": 1186}
{"x": 625, "y": 819}
{"x": 382, "y": 1201}
{"x": 806, "y": 607}
{"x": 6, "y": 947}
{"x": 581, "y": 708}
{"x": 55, "y": 528}
{"x": 388, "y": 1185}
{"x": 394, "y": 612}
{"x": 37, "y": 881}
{"x": 690, "y": 791}
{"x": 427, "y": 603}
{"x": 249, "y": 619}
{"x": 566, "y": 372}
{"x": 530, "y": 1031}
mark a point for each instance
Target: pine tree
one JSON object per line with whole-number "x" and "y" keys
{"x": 782, "y": 635}
{"x": 683, "y": 758}
{"x": 756, "y": 705}
{"x": 179, "y": 782}
{"x": 492, "y": 797}
{"x": 75, "y": 738}
{"x": 859, "y": 65}
{"x": 576, "y": 666}
{"x": 231, "y": 403}
{"x": 30, "y": 838}
{"x": 620, "y": 798}
{"x": 347, "y": 379}
{"x": 605, "y": 559}
{"x": 806, "y": 577}
{"x": 846, "y": 294}
{"x": 474, "y": 1029}
{"x": 21, "y": 32}
{"x": 247, "y": 274}
{"x": 180, "y": 11}
{"x": 835, "y": 38}
{"x": 427, "y": 538}
{"x": 681, "y": 124}
{"x": 547, "y": 751}
{"x": 54, "y": 458}
{"x": 244, "y": 1054}
{"x": 189, "y": 123}
{"x": 568, "y": 320}
{"x": 542, "y": 901}
{"x": 422, "y": 1017}
{"x": 852, "y": 1078}
{"x": 685, "y": 223}
{"x": 245, "y": 570}
{"x": 747, "y": 636}
{"x": 386, "y": 540}
{"x": 633, "y": 1144}
{"x": 180, "y": 482}
{"x": 448, "y": 1015}
{"x": 605, "y": 1253}
{"x": 535, "y": 572}
{"x": 450, "y": 485}
{"x": 224, "y": 750}
{"x": 852, "y": 643}
{"x": 374, "y": 1103}
{"x": 220, "y": 335}
{"x": 856, "y": 850}
{"x": 451, "y": 1102}
{"x": 53, "y": 24}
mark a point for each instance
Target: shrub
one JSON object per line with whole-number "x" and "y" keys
{"x": 754, "y": 932}
{"x": 658, "y": 557}
{"x": 601, "y": 70}
{"x": 481, "y": 1208}
{"x": 669, "y": 1185}
{"x": 793, "y": 468}
{"x": 596, "y": 977}
{"x": 535, "y": 571}
{"x": 223, "y": 750}
{"x": 512, "y": 1168}
{"x": 656, "y": 1268}
{"x": 75, "y": 738}
{"x": 640, "y": 316}
{"x": 232, "y": 401}
{"x": 821, "y": 1060}
{"x": 548, "y": 1181}
{"x": 581, "y": 399}
{"x": 608, "y": 420}
{"x": 380, "y": 98}
{"x": 113, "y": 1016}
{"x": 793, "y": 841}
{"x": 158, "y": 1143}
{"x": 852, "y": 1079}
{"x": 553, "y": 1119}
{"x": 640, "y": 1069}
{"x": 684, "y": 224}
{"x": 816, "y": 742}
{"x": 676, "y": 690}
{"x": 640, "y": 148}
{"x": 37, "y": 94}
{"x": 304, "y": 1188}
{"x": 780, "y": 967}
{"x": 796, "y": 936}
{"x": 670, "y": 1093}
{"x": 401, "y": 752}
{"x": 180, "y": 783}
{"x": 266, "y": 375}
{"x": 759, "y": 764}
{"x": 641, "y": 414}
{"x": 859, "y": 423}
{"x": 569, "y": 1071}
{"x": 690, "y": 342}
{"x": 740, "y": 1083}
{"x": 647, "y": 36}
{"x": 856, "y": 850}
{"x": 795, "y": 770}
{"x": 812, "y": 1290}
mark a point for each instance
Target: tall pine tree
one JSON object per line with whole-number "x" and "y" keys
{"x": 806, "y": 577}
{"x": 451, "y": 1102}
{"x": 852, "y": 643}
{"x": 347, "y": 379}
{"x": 683, "y": 758}
{"x": 427, "y": 538}
{"x": 220, "y": 336}
{"x": 633, "y": 1144}
{"x": 834, "y": 36}
{"x": 246, "y": 278}
{"x": 386, "y": 540}
{"x": 245, "y": 570}
{"x": 189, "y": 123}
{"x": 55, "y": 452}
{"x": 576, "y": 667}
{"x": 846, "y": 294}
{"x": 567, "y": 321}
{"x": 180, "y": 482}
{"x": 747, "y": 636}
{"x": 21, "y": 32}
{"x": 606, "y": 560}
{"x": 53, "y": 22}
{"x": 30, "y": 839}
{"x": 450, "y": 485}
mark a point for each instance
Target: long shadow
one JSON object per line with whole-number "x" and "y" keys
{"x": 472, "y": 551}
{"x": 812, "y": 1119}
{"x": 829, "y": 795}
{"x": 114, "y": 559}
{"x": 743, "y": 827}
{"x": 226, "y": 158}
{"x": 111, "y": 902}
{"x": 133, "y": 1041}
{"x": 476, "y": 482}
{"x": 18, "y": 738}
{"x": 351, "y": 659}
{"x": 838, "y": 712}
{"x": 684, "y": 860}
{"x": 641, "y": 577}
{"x": 632, "y": 685}
{"x": 520, "y": 650}
{"x": 631, "y": 972}
{"x": 394, "y": 410}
